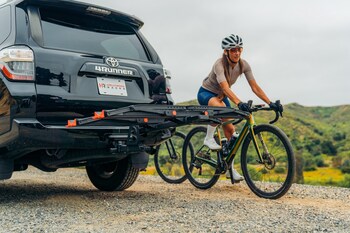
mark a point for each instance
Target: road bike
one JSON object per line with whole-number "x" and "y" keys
{"x": 168, "y": 159}
{"x": 267, "y": 158}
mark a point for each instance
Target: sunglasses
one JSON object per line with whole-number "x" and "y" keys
{"x": 236, "y": 50}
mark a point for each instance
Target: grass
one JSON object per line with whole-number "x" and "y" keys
{"x": 151, "y": 170}
{"x": 324, "y": 176}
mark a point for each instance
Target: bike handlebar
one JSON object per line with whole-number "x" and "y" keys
{"x": 255, "y": 108}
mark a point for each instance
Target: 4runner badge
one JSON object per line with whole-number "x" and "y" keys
{"x": 112, "y": 62}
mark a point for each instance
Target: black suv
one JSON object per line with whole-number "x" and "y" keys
{"x": 62, "y": 60}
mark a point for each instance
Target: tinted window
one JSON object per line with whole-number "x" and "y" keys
{"x": 21, "y": 26}
{"x": 5, "y": 23}
{"x": 90, "y": 34}
{"x": 153, "y": 53}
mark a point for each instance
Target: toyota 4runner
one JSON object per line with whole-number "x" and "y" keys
{"x": 61, "y": 60}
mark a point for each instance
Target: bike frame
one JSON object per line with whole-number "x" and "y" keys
{"x": 247, "y": 128}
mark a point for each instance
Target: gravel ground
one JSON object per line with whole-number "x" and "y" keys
{"x": 65, "y": 201}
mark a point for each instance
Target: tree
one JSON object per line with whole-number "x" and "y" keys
{"x": 345, "y": 167}
{"x": 328, "y": 148}
{"x": 299, "y": 167}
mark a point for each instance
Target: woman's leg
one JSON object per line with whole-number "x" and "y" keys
{"x": 208, "y": 98}
{"x": 229, "y": 129}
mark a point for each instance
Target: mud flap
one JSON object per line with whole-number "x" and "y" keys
{"x": 6, "y": 169}
{"x": 140, "y": 160}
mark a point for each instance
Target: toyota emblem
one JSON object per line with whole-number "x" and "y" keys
{"x": 112, "y": 62}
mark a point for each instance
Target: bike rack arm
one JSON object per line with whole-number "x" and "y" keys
{"x": 151, "y": 113}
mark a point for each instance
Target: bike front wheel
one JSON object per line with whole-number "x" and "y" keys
{"x": 273, "y": 176}
{"x": 168, "y": 159}
{"x": 200, "y": 166}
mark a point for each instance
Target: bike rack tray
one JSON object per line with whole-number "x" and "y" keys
{"x": 163, "y": 115}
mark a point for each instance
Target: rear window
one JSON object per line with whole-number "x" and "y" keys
{"x": 68, "y": 30}
{"x": 5, "y": 23}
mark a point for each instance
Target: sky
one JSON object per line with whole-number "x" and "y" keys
{"x": 299, "y": 51}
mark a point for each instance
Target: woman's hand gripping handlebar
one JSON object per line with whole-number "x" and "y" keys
{"x": 276, "y": 107}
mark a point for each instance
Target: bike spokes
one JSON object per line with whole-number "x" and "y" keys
{"x": 201, "y": 168}
{"x": 168, "y": 159}
{"x": 270, "y": 175}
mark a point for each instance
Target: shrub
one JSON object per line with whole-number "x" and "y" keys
{"x": 320, "y": 162}
{"x": 346, "y": 182}
{"x": 327, "y": 147}
{"x": 310, "y": 168}
{"x": 309, "y": 163}
{"x": 280, "y": 170}
{"x": 339, "y": 136}
{"x": 337, "y": 161}
{"x": 345, "y": 167}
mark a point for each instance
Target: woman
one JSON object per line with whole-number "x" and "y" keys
{"x": 215, "y": 90}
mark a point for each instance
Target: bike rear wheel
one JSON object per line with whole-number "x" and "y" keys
{"x": 200, "y": 166}
{"x": 272, "y": 177}
{"x": 168, "y": 159}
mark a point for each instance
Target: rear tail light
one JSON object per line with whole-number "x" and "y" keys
{"x": 167, "y": 75}
{"x": 168, "y": 88}
{"x": 17, "y": 63}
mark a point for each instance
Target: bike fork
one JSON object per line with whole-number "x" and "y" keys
{"x": 171, "y": 149}
{"x": 256, "y": 144}
{"x": 263, "y": 144}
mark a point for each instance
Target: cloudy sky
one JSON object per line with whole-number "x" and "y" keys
{"x": 299, "y": 50}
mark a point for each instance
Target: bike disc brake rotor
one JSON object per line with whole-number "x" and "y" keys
{"x": 269, "y": 161}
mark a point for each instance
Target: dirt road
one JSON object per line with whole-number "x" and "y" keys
{"x": 65, "y": 201}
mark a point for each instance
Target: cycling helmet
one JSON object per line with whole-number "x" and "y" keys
{"x": 232, "y": 41}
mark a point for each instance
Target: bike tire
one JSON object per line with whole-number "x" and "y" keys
{"x": 200, "y": 174}
{"x": 273, "y": 178}
{"x": 168, "y": 167}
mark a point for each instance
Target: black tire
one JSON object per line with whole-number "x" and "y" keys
{"x": 113, "y": 176}
{"x": 169, "y": 164}
{"x": 273, "y": 178}
{"x": 198, "y": 172}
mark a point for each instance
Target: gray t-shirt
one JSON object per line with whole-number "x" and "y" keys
{"x": 217, "y": 75}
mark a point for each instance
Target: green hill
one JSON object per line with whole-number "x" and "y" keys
{"x": 318, "y": 130}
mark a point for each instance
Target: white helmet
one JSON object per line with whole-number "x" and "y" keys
{"x": 232, "y": 41}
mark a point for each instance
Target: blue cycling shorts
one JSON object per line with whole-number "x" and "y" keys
{"x": 204, "y": 96}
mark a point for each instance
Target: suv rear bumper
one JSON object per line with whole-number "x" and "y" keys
{"x": 27, "y": 135}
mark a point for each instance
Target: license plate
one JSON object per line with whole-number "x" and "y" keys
{"x": 111, "y": 86}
